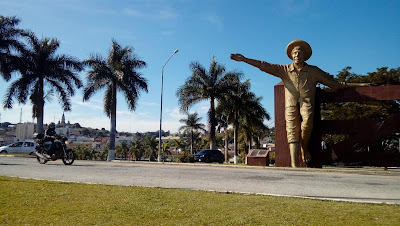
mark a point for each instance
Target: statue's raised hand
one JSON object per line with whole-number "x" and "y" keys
{"x": 237, "y": 57}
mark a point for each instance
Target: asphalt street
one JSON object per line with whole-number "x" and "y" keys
{"x": 356, "y": 185}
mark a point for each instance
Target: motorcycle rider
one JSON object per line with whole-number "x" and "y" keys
{"x": 51, "y": 135}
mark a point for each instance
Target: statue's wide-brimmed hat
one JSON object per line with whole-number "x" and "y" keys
{"x": 304, "y": 46}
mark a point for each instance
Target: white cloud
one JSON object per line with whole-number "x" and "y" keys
{"x": 123, "y": 113}
{"x": 175, "y": 114}
{"x": 151, "y": 104}
{"x": 93, "y": 104}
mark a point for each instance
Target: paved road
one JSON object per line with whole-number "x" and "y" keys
{"x": 353, "y": 185}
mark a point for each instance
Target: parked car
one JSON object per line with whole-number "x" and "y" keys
{"x": 20, "y": 147}
{"x": 208, "y": 155}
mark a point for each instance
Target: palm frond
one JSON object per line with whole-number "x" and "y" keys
{"x": 64, "y": 96}
{"x": 119, "y": 71}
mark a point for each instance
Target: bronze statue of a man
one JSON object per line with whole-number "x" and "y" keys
{"x": 300, "y": 80}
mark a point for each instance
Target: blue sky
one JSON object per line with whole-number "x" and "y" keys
{"x": 362, "y": 34}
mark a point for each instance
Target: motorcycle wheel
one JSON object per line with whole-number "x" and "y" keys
{"x": 70, "y": 158}
{"x": 41, "y": 161}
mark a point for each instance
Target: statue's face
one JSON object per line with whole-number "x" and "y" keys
{"x": 298, "y": 56}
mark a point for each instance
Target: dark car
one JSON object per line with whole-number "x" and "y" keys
{"x": 208, "y": 155}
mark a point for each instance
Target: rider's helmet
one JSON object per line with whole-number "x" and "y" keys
{"x": 52, "y": 125}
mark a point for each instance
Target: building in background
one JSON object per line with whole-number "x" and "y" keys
{"x": 63, "y": 128}
{"x": 25, "y": 131}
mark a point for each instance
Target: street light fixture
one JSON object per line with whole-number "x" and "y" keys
{"x": 162, "y": 82}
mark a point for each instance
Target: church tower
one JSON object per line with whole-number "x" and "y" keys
{"x": 63, "y": 120}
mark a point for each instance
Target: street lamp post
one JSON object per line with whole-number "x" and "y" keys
{"x": 162, "y": 83}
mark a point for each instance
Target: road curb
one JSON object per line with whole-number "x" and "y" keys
{"x": 390, "y": 171}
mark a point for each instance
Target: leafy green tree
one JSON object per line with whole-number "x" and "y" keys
{"x": 191, "y": 123}
{"x": 382, "y": 76}
{"x": 204, "y": 143}
{"x": 10, "y": 45}
{"x": 85, "y": 132}
{"x": 42, "y": 68}
{"x": 259, "y": 133}
{"x": 104, "y": 152}
{"x": 116, "y": 73}
{"x": 197, "y": 139}
{"x": 185, "y": 157}
{"x": 165, "y": 150}
{"x": 378, "y": 110}
{"x": 241, "y": 105}
{"x": 83, "y": 152}
{"x": 100, "y": 134}
{"x": 208, "y": 85}
{"x": 253, "y": 128}
{"x": 367, "y": 110}
{"x": 179, "y": 144}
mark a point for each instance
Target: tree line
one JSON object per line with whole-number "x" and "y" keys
{"x": 43, "y": 74}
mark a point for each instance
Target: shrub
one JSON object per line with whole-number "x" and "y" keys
{"x": 242, "y": 157}
{"x": 83, "y": 152}
{"x": 185, "y": 157}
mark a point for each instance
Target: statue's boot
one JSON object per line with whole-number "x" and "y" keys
{"x": 294, "y": 153}
{"x": 305, "y": 152}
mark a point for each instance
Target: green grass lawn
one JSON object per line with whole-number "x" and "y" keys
{"x": 37, "y": 202}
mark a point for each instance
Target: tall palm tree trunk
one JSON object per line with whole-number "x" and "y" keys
{"x": 111, "y": 151}
{"x": 257, "y": 140}
{"x": 226, "y": 144}
{"x": 212, "y": 125}
{"x": 40, "y": 108}
{"x": 191, "y": 142}
{"x": 235, "y": 141}
{"x": 249, "y": 140}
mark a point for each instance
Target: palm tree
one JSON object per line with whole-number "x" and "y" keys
{"x": 208, "y": 85}
{"x": 137, "y": 149}
{"x": 192, "y": 123}
{"x": 223, "y": 123}
{"x": 254, "y": 130}
{"x": 42, "y": 68}
{"x": 152, "y": 143}
{"x": 123, "y": 150}
{"x": 9, "y": 45}
{"x": 242, "y": 105}
{"x": 116, "y": 73}
{"x": 165, "y": 150}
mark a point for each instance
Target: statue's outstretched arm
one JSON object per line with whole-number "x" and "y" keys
{"x": 273, "y": 69}
{"x": 329, "y": 81}
{"x": 240, "y": 58}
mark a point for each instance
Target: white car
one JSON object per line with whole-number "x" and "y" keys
{"x": 20, "y": 147}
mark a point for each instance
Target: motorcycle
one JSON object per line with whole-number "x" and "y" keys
{"x": 59, "y": 149}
